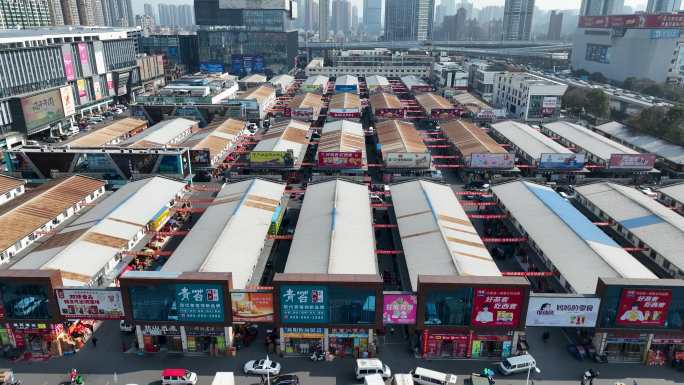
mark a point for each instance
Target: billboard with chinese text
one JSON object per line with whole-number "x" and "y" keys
{"x": 557, "y": 161}
{"x": 252, "y": 306}
{"x": 399, "y": 308}
{"x": 179, "y": 302}
{"x": 501, "y": 307}
{"x": 68, "y": 61}
{"x": 487, "y": 160}
{"x": 563, "y": 311}
{"x": 647, "y": 307}
{"x": 632, "y": 161}
{"x": 68, "y": 103}
{"x": 42, "y": 109}
{"x": 633, "y": 21}
{"x": 269, "y": 159}
{"x": 303, "y": 304}
{"x": 338, "y": 159}
{"x": 101, "y": 304}
{"x": 407, "y": 160}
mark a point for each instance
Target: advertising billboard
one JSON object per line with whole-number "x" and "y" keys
{"x": 399, "y": 308}
{"x": 407, "y": 160}
{"x": 178, "y": 302}
{"x": 632, "y": 161}
{"x": 391, "y": 113}
{"x": 68, "y": 103}
{"x": 337, "y": 159}
{"x": 110, "y": 84}
{"x": 68, "y": 60}
{"x": 122, "y": 84}
{"x": 25, "y": 301}
{"x": 442, "y": 114}
{"x": 255, "y": 4}
{"x": 101, "y": 304}
{"x": 303, "y": 303}
{"x": 83, "y": 58}
{"x": 212, "y": 67}
{"x": 96, "y": 88}
{"x": 246, "y": 64}
{"x": 99, "y": 57}
{"x": 200, "y": 158}
{"x": 252, "y": 306}
{"x": 549, "y": 105}
{"x": 271, "y": 158}
{"x": 578, "y": 312}
{"x": 82, "y": 91}
{"x": 497, "y": 306}
{"x": 562, "y": 161}
{"x": 42, "y": 109}
{"x": 633, "y": 21}
{"x": 647, "y": 307}
{"x": 504, "y": 161}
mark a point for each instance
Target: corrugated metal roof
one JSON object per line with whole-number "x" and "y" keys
{"x": 346, "y": 80}
{"x": 162, "y": 133}
{"x": 288, "y": 135}
{"x": 230, "y": 235}
{"x": 429, "y": 100}
{"x": 574, "y": 245}
{"x": 675, "y": 191}
{"x": 384, "y": 100}
{"x": 307, "y": 100}
{"x": 105, "y": 230}
{"x": 432, "y": 223}
{"x": 656, "y": 225}
{"x": 260, "y": 94}
{"x": 528, "y": 140}
{"x": 217, "y": 137}
{"x": 283, "y": 80}
{"x": 345, "y": 100}
{"x": 646, "y": 143}
{"x": 470, "y": 139}
{"x": 110, "y": 133}
{"x": 334, "y": 233}
{"x": 399, "y": 136}
{"x": 343, "y": 136}
{"x": 412, "y": 80}
{"x": 8, "y": 184}
{"x": 376, "y": 81}
{"x": 318, "y": 80}
{"x": 590, "y": 141}
{"x": 40, "y": 207}
{"x": 254, "y": 78}
{"x": 471, "y": 102}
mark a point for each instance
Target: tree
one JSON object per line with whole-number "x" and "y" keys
{"x": 598, "y": 77}
{"x": 597, "y": 103}
{"x": 574, "y": 99}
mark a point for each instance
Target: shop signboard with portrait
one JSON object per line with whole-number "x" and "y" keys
{"x": 487, "y": 160}
{"x": 399, "y": 308}
{"x": 68, "y": 103}
{"x": 556, "y": 161}
{"x": 99, "y": 304}
{"x": 68, "y": 61}
{"x": 252, "y": 306}
{"x": 407, "y": 160}
{"x": 562, "y": 311}
{"x": 646, "y": 307}
{"x": 177, "y": 302}
{"x": 632, "y": 161}
{"x": 499, "y": 307}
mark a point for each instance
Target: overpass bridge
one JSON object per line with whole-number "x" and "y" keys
{"x": 435, "y": 44}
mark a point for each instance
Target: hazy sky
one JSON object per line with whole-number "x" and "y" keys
{"x": 545, "y": 4}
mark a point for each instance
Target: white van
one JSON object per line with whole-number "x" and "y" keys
{"x": 402, "y": 379}
{"x": 223, "y": 378}
{"x": 373, "y": 379}
{"x": 517, "y": 364}
{"x": 368, "y": 366}
{"x": 424, "y": 376}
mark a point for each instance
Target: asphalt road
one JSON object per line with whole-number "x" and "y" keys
{"x": 100, "y": 364}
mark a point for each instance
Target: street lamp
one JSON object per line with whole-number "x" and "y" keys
{"x": 536, "y": 369}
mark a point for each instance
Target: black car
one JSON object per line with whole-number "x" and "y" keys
{"x": 285, "y": 379}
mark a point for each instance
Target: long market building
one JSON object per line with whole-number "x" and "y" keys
{"x": 111, "y": 134}
{"x": 386, "y": 106}
{"x": 10, "y": 188}
{"x": 165, "y": 133}
{"x": 344, "y": 105}
{"x": 209, "y": 147}
{"x": 436, "y": 107}
{"x": 341, "y": 150}
{"x": 402, "y": 151}
{"x": 305, "y": 107}
{"x": 479, "y": 151}
{"x": 673, "y": 196}
{"x": 281, "y": 150}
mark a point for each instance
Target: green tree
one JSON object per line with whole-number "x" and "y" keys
{"x": 598, "y": 103}
{"x": 574, "y": 99}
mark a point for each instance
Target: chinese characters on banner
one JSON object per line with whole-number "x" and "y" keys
{"x": 252, "y": 306}
{"x": 337, "y": 159}
{"x": 303, "y": 303}
{"x": 643, "y": 307}
{"x": 497, "y": 306}
{"x": 198, "y": 302}
{"x": 90, "y": 303}
{"x": 399, "y": 309}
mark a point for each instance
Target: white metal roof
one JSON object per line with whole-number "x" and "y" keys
{"x": 230, "y": 234}
{"x": 528, "y": 140}
{"x": 289, "y": 135}
{"x": 592, "y": 142}
{"x": 283, "y": 80}
{"x": 343, "y": 136}
{"x": 432, "y": 223}
{"x": 675, "y": 191}
{"x": 412, "y": 80}
{"x": 106, "y": 229}
{"x": 316, "y": 80}
{"x": 574, "y": 245}
{"x": 646, "y": 143}
{"x": 162, "y": 133}
{"x": 334, "y": 233}
{"x": 254, "y": 78}
{"x": 659, "y": 227}
{"x": 346, "y": 80}
{"x": 376, "y": 81}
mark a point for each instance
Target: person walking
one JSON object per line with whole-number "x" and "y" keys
{"x": 94, "y": 341}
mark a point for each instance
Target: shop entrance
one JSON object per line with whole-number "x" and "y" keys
{"x": 348, "y": 342}
{"x": 208, "y": 340}
{"x": 161, "y": 338}
{"x": 666, "y": 349}
{"x": 301, "y": 341}
{"x": 625, "y": 348}
{"x": 445, "y": 345}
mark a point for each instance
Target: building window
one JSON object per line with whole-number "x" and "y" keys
{"x": 598, "y": 53}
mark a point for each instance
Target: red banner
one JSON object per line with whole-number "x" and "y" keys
{"x": 633, "y": 21}
{"x": 497, "y": 306}
{"x": 643, "y": 307}
{"x": 336, "y": 159}
{"x": 632, "y": 161}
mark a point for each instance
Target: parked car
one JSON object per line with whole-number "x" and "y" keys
{"x": 178, "y": 377}
{"x": 648, "y": 191}
{"x": 285, "y": 379}
{"x": 368, "y": 366}
{"x": 517, "y": 364}
{"x": 262, "y": 367}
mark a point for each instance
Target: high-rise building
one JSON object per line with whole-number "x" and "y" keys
{"x": 245, "y": 39}
{"x": 355, "y": 19}
{"x": 439, "y": 14}
{"x": 310, "y": 16}
{"x": 86, "y": 12}
{"x": 409, "y": 20}
{"x": 340, "y": 19}
{"x": 663, "y": 6}
{"x": 149, "y": 11}
{"x": 601, "y": 7}
{"x": 517, "y": 21}
{"x": 56, "y": 14}
{"x": 323, "y": 19}
{"x": 555, "y": 25}
{"x": 372, "y": 17}
{"x": 449, "y": 7}
{"x": 70, "y": 12}
{"x": 129, "y": 18}
{"x": 313, "y": 15}
{"x": 118, "y": 13}
{"x": 489, "y": 13}
{"x": 185, "y": 15}
{"x": 146, "y": 22}
{"x": 25, "y": 14}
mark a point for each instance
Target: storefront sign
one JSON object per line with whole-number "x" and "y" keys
{"x": 199, "y": 302}
{"x": 632, "y": 161}
{"x": 42, "y": 109}
{"x": 39, "y": 328}
{"x": 563, "y": 312}
{"x": 252, "y": 306}
{"x": 99, "y": 57}
{"x": 626, "y": 338}
{"x": 68, "y": 103}
{"x": 393, "y": 113}
{"x": 555, "y": 161}
{"x": 303, "y": 303}
{"x": 643, "y": 307}
{"x": 303, "y": 332}
{"x": 204, "y": 331}
{"x": 96, "y": 88}
{"x": 68, "y": 61}
{"x": 633, "y": 21}
{"x": 348, "y": 333}
{"x": 344, "y": 112}
{"x": 159, "y": 219}
{"x": 497, "y": 307}
{"x": 110, "y": 84}
{"x": 101, "y": 304}
{"x": 160, "y": 330}
{"x": 399, "y": 308}
{"x": 668, "y": 339}
{"x": 181, "y": 302}
{"x": 503, "y": 161}
{"x": 407, "y": 160}
{"x": 271, "y": 158}
{"x": 337, "y": 159}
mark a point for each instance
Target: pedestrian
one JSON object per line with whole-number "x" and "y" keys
{"x": 94, "y": 341}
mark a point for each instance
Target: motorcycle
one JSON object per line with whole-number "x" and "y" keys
{"x": 75, "y": 378}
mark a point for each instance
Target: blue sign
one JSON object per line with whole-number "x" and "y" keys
{"x": 212, "y": 67}
{"x": 303, "y": 304}
{"x": 570, "y": 161}
{"x": 246, "y": 64}
{"x": 181, "y": 302}
{"x": 172, "y": 51}
{"x": 671, "y": 33}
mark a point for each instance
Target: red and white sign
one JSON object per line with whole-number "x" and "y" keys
{"x": 504, "y": 161}
{"x": 643, "y": 307}
{"x": 336, "y": 159}
{"x": 633, "y": 21}
{"x": 497, "y": 306}
{"x": 632, "y": 161}
{"x": 90, "y": 303}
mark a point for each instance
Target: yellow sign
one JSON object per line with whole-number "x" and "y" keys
{"x": 271, "y": 158}
{"x": 159, "y": 221}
